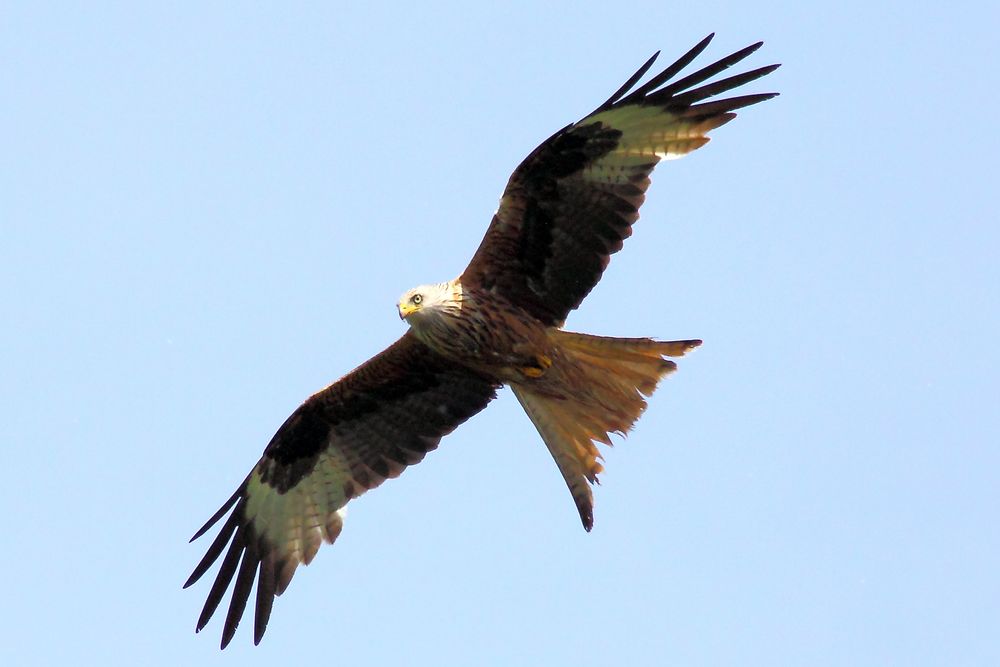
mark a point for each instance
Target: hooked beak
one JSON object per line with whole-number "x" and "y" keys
{"x": 405, "y": 310}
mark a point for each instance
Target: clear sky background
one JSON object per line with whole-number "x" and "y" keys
{"x": 208, "y": 212}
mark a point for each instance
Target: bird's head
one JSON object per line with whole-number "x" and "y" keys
{"x": 430, "y": 300}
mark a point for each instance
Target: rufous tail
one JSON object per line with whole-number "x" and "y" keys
{"x": 595, "y": 387}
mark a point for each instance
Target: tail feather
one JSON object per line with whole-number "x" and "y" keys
{"x": 597, "y": 386}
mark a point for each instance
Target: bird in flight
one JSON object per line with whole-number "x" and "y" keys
{"x": 566, "y": 209}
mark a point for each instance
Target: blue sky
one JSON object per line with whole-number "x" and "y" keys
{"x": 207, "y": 213}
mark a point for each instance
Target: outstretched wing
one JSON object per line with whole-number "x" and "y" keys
{"x": 348, "y": 438}
{"x": 571, "y": 203}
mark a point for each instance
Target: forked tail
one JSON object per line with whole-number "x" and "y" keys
{"x": 597, "y": 386}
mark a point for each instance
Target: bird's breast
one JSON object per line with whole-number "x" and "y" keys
{"x": 489, "y": 335}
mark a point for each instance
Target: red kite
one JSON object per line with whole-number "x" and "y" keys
{"x": 566, "y": 209}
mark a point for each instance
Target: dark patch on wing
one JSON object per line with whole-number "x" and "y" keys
{"x": 565, "y": 155}
{"x": 407, "y": 395}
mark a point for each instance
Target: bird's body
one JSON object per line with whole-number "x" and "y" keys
{"x": 566, "y": 209}
{"x": 500, "y": 340}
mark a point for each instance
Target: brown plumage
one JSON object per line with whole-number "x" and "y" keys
{"x": 567, "y": 208}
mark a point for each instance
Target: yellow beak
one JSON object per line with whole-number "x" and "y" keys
{"x": 406, "y": 309}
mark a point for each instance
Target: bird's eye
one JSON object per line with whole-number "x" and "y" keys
{"x": 416, "y": 299}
